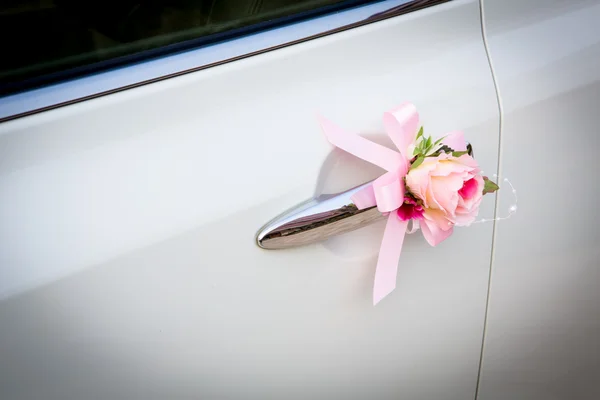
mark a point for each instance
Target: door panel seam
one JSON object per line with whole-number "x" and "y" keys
{"x": 497, "y": 201}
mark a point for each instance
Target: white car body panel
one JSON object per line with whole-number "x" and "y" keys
{"x": 543, "y": 331}
{"x": 129, "y": 266}
{"x": 129, "y": 269}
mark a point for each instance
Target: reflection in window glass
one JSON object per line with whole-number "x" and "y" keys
{"x": 45, "y": 39}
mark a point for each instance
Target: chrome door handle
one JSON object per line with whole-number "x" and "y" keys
{"x": 316, "y": 220}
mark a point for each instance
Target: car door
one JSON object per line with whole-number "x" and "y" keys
{"x": 130, "y": 199}
{"x": 543, "y": 332}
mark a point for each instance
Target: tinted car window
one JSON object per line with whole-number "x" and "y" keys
{"x": 45, "y": 40}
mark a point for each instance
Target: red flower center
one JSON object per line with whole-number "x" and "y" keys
{"x": 469, "y": 189}
{"x": 410, "y": 210}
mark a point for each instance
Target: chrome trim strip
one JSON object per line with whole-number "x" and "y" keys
{"x": 108, "y": 82}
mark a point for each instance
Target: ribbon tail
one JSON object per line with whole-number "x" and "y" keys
{"x": 389, "y": 255}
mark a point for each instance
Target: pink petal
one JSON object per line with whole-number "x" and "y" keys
{"x": 465, "y": 217}
{"x": 469, "y": 161}
{"x": 469, "y": 189}
{"x": 429, "y": 200}
{"x": 452, "y": 166}
{"x": 410, "y": 210}
{"x": 469, "y": 203}
{"x": 438, "y": 218}
{"x": 433, "y": 234}
{"x": 456, "y": 140}
{"x": 405, "y": 212}
{"x": 418, "y": 179}
{"x": 445, "y": 191}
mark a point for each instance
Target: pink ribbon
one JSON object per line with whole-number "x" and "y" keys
{"x": 387, "y": 191}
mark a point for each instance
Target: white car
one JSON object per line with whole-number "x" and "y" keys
{"x": 143, "y": 145}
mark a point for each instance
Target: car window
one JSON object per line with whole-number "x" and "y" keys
{"x": 48, "y": 40}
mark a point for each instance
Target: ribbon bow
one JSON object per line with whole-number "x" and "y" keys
{"x": 387, "y": 192}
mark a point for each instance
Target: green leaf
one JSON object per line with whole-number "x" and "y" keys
{"x": 489, "y": 186}
{"x": 439, "y": 141}
{"x": 420, "y": 133}
{"x": 418, "y": 149}
{"x": 419, "y": 141}
{"x": 417, "y": 162}
{"x": 428, "y": 143}
{"x": 459, "y": 153}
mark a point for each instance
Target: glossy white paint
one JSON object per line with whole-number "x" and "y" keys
{"x": 128, "y": 265}
{"x": 543, "y": 331}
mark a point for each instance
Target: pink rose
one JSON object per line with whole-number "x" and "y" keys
{"x": 451, "y": 190}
